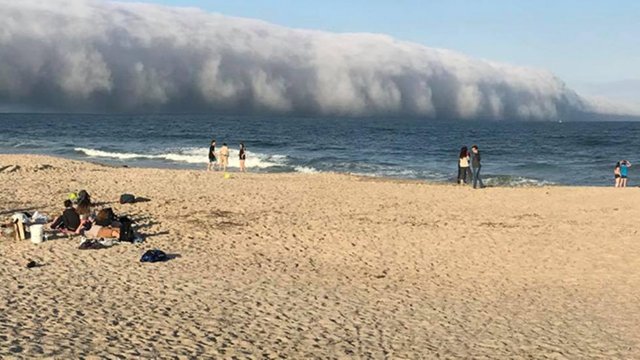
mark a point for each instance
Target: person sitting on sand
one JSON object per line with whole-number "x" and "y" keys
{"x": 243, "y": 157}
{"x": 84, "y": 206}
{"x": 224, "y": 157}
{"x": 69, "y": 220}
{"x": 616, "y": 174}
{"x": 213, "y": 162}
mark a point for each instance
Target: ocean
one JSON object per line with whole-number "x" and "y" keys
{"x": 513, "y": 153}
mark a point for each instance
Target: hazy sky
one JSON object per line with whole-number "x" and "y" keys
{"x": 582, "y": 41}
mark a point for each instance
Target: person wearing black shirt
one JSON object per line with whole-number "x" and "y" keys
{"x": 69, "y": 220}
{"x": 213, "y": 162}
{"x": 475, "y": 163}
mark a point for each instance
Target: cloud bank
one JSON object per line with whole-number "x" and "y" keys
{"x": 91, "y": 55}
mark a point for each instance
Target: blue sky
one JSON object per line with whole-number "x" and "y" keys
{"x": 592, "y": 45}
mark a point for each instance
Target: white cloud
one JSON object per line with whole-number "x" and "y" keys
{"x": 91, "y": 54}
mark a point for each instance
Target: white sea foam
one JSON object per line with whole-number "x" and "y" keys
{"x": 306, "y": 170}
{"x": 190, "y": 156}
{"x": 514, "y": 181}
{"x": 107, "y": 154}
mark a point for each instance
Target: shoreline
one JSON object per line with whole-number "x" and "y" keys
{"x": 363, "y": 177}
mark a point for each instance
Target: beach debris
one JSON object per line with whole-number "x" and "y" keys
{"x": 9, "y": 169}
{"x": 31, "y": 264}
{"x": 42, "y": 167}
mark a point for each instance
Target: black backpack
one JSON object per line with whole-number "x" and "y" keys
{"x": 126, "y": 229}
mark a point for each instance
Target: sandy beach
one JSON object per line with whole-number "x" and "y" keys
{"x": 322, "y": 266}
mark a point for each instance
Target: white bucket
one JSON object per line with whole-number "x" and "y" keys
{"x": 37, "y": 232}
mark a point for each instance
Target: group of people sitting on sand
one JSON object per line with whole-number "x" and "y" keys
{"x": 220, "y": 160}
{"x": 469, "y": 167}
{"x": 82, "y": 220}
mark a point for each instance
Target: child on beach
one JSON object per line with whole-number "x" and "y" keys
{"x": 212, "y": 156}
{"x": 224, "y": 156}
{"x": 616, "y": 175}
{"x": 243, "y": 157}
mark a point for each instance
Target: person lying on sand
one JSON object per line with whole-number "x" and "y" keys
{"x": 97, "y": 231}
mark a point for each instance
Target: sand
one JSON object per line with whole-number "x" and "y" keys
{"x": 322, "y": 266}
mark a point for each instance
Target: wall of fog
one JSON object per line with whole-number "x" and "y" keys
{"x": 90, "y": 55}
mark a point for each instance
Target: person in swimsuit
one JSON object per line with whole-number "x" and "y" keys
{"x": 616, "y": 174}
{"x": 463, "y": 165}
{"x": 224, "y": 156}
{"x": 243, "y": 157}
{"x": 212, "y": 156}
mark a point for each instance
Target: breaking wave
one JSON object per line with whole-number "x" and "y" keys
{"x": 188, "y": 156}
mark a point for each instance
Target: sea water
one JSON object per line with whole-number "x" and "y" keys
{"x": 513, "y": 153}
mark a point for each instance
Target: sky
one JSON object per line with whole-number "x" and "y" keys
{"x": 594, "y": 46}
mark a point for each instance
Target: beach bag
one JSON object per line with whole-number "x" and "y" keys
{"x": 127, "y": 199}
{"x": 154, "y": 255}
{"x": 105, "y": 217}
{"x": 126, "y": 229}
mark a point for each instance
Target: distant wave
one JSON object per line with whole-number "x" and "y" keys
{"x": 189, "y": 156}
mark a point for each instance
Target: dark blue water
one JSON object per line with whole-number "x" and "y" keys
{"x": 513, "y": 153}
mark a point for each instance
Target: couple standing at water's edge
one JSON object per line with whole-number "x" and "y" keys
{"x": 221, "y": 159}
{"x": 470, "y": 172}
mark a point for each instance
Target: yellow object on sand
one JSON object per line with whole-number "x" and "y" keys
{"x": 227, "y": 176}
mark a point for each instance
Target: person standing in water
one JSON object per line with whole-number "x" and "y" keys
{"x": 243, "y": 157}
{"x": 475, "y": 163}
{"x": 463, "y": 165}
{"x": 624, "y": 172}
{"x": 224, "y": 156}
{"x": 213, "y": 162}
{"x": 616, "y": 175}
